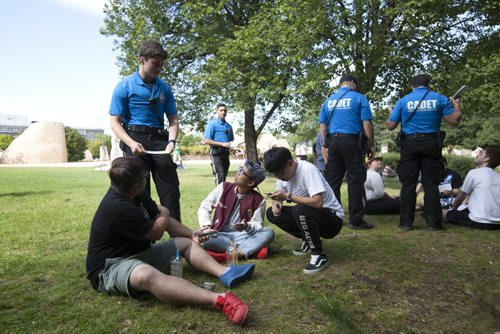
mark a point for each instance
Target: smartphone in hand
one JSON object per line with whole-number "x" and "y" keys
{"x": 207, "y": 233}
{"x": 458, "y": 92}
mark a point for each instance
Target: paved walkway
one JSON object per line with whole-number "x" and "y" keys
{"x": 96, "y": 164}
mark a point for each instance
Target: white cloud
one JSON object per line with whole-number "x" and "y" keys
{"x": 92, "y": 7}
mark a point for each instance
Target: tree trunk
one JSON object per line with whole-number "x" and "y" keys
{"x": 250, "y": 134}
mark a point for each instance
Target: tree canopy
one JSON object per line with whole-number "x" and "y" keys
{"x": 275, "y": 60}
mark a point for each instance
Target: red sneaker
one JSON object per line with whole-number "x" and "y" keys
{"x": 262, "y": 254}
{"x": 219, "y": 257}
{"x": 234, "y": 309}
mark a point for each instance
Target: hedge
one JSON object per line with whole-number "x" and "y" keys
{"x": 460, "y": 164}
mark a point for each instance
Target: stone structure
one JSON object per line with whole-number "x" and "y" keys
{"x": 41, "y": 142}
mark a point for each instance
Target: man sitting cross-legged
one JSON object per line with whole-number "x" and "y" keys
{"x": 122, "y": 259}
{"x": 238, "y": 217}
{"x": 482, "y": 188}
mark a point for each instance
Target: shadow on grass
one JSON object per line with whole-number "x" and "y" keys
{"x": 25, "y": 193}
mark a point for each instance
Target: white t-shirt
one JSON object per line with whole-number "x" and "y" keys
{"x": 483, "y": 187}
{"x": 307, "y": 182}
{"x": 374, "y": 185}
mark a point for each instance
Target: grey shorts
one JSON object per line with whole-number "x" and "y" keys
{"x": 114, "y": 279}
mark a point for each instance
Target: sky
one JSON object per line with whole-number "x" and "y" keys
{"x": 56, "y": 65}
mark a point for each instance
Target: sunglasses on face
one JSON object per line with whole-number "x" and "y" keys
{"x": 241, "y": 171}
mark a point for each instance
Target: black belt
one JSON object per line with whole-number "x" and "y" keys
{"x": 146, "y": 129}
{"x": 337, "y": 134}
{"x": 420, "y": 135}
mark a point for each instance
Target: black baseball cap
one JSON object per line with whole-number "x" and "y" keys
{"x": 347, "y": 77}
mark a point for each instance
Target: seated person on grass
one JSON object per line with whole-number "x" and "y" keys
{"x": 377, "y": 200}
{"x": 317, "y": 213}
{"x": 122, "y": 259}
{"x": 482, "y": 187}
{"x": 239, "y": 214}
{"x": 448, "y": 188}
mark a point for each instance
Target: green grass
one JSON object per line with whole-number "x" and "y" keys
{"x": 382, "y": 280}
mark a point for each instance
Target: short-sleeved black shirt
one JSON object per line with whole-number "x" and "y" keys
{"x": 118, "y": 230}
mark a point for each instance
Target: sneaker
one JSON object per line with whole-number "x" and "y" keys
{"x": 236, "y": 274}
{"x": 234, "y": 309}
{"x": 363, "y": 226}
{"x": 303, "y": 250}
{"x": 219, "y": 257}
{"x": 261, "y": 254}
{"x": 317, "y": 263}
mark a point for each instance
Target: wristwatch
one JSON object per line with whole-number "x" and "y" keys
{"x": 172, "y": 141}
{"x": 289, "y": 198}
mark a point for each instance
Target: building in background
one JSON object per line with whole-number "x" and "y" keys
{"x": 14, "y": 125}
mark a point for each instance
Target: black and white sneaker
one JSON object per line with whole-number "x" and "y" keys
{"x": 303, "y": 250}
{"x": 317, "y": 263}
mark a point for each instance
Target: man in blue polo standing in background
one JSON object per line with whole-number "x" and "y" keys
{"x": 420, "y": 114}
{"x": 219, "y": 135}
{"x": 346, "y": 124}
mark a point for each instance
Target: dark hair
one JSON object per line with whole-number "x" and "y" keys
{"x": 494, "y": 154}
{"x": 220, "y": 105}
{"x": 421, "y": 80}
{"x": 276, "y": 158}
{"x": 125, "y": 172}
{"x": 151, "y": 48}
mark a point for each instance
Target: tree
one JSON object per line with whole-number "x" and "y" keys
{"x": 5, "y": 141}
{"x": 75, "y": 144}
{"x": 94, "y": 145}
{"x": 273, "y": 62}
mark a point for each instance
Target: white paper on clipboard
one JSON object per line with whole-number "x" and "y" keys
{"x": 443, "y": 187}
{"x": 156, "y": 152}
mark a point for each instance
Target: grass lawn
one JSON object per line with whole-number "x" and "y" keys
{"x": 378, "y": 281}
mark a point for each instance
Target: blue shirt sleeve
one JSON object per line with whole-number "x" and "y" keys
{"x": 448, "y": 108}
{"x": 366, "y": 112}
{"x": 323, "y": 114}
{"x": 395, "y": 115}
{"x": 119, "y": 100}
{"x": 209, "y": 131}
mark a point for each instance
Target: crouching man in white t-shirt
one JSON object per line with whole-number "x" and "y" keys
{"x": 482, "y": 187}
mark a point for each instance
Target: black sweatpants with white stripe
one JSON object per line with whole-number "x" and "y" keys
{"x": 308, "y": 224}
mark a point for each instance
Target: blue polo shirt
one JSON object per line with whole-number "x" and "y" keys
{"x": 219, "y": 130}
{"x": 131, "y": 101}
{"x": 350, "y": 111}
{"x": 428, "y": 115}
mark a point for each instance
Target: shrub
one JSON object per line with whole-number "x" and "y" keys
{"x": 75, "y": 144}
{"x": 94, "y": 145}
{"x": 462, "y": 165}
{"x": 391, "y": 159}
{"x": 195, "y": 150}
{"x": 5, "y": 141}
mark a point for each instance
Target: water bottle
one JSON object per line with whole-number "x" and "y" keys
{"x": 176, "y": 265}
{"x": 232, "y": 255}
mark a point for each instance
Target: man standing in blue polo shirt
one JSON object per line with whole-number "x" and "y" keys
{"x": 420, "y": 114}
{"x": 346, "y": 124}
{"x": 219, "y": 135}
{"x": 139, "y": 105}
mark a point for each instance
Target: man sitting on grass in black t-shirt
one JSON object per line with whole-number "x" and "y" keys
{"x": 123, "y": 260}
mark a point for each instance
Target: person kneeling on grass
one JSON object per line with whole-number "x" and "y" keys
{"x": 239, "y": 214}
{"x": 318, "y": 214}
{"x": 122, "y": 259}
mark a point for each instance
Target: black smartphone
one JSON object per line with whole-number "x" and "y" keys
{"x": 460, "y": 91}
{"x": 207, "y": 233}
